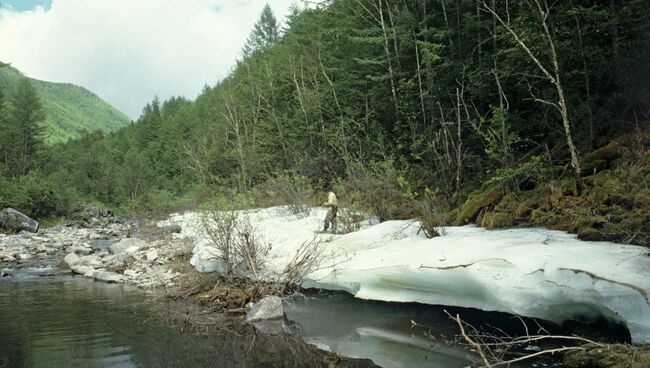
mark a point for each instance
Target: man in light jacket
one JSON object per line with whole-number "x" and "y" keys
{"x": 332, "y": 209}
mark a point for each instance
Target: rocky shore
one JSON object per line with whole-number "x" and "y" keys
{"x": 103, "y": 248}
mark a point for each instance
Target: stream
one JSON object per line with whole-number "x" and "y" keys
{"x": 50, "y": 318}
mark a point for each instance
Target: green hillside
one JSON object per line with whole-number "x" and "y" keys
{"x": 69, "y": 109}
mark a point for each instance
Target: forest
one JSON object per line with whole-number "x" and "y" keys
{"x": 501, "y": 113}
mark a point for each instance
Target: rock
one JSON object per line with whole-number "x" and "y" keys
{"x": 91, "y": 260}
{"x": 23, "y": 256}
{"x": 26, "y": 234}
{"x": 272, "y": 327}
{"x": 107, "y": 276}
{"x": 152, "y": 255}
{"x": 14, "y": 221}
{"x": 72, "y": 259}
{"x": 78, "y": 249}
{"x": 81, "y": 269}
{"x": 118, "y": 263}
{"x": 131, "y": 273}
{"x": 130, "y": 244}
{"x": 172, "y": 229}
{"x": 208, "y": 264}
{"x": 7, "y": 258}
{"x": 269, "y": 308}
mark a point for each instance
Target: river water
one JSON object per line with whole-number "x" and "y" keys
{"x": 49, "y": 318}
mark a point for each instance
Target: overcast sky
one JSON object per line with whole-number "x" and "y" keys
{"x": 128, "y": 51}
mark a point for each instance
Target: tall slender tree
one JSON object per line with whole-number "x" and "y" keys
{"x": 24, "y": 128}
{"x": 265, "y": 33}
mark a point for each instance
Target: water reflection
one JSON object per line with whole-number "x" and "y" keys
{"x": 68, "y": 321}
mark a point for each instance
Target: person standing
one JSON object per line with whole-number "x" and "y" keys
{"x": 332, "y": 209}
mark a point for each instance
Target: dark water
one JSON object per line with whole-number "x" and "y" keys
{"x": 71, "y": 322}
{"x": 51, "y": 319}
{"x": 385, "y": 332}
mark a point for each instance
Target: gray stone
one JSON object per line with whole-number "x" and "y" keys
{"x": 78, "y": 249}
{"x": 7, "y": 258}
{"x": 118, "y": 262}
{"x": 269, "y": 308}
{"x": 209, "y": 265}
{"x": 127, "y": 244}
{"x": 152, "y": 255}
{"x": 81, "y": 269}
{"x": 107, "y": 276}
{"x": 71, "y": 259}
{"x": 272, "y": 327}
{"x": 14, "y": 221}
{"x": 91, "y": 260}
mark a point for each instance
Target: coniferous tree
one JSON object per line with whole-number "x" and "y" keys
{"x": 24, "y": 130}
{"x": 265, "y": 33}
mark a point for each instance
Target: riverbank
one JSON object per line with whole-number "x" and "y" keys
{"x": 156, "y": 257}
{"x": 113, "y": 251}
{"x": 611, "y": 201}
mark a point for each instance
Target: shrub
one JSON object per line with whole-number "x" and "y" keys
{"x": 292, "y": 189}
{"x": 382, "y": 190}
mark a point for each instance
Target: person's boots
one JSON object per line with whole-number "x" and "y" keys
{"x": 325, "y": 227}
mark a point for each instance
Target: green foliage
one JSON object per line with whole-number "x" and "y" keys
{"x": 265, "y": 33}
{"x": 69, "y": 110}
{"x": 438, "y": 87}
{"x": 36, "y": 196}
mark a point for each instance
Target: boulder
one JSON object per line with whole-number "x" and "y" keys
{"x": 91, "y": 260}
{"x": 71, "y": 259}
{"x": 107, "y": 276}
{"x": 14, "y": 221}
{"x": 127, "y": 244}
{"x": 118, "y": 262}
{"x": 269, "y": 308}
{"x": 81, "y": 269}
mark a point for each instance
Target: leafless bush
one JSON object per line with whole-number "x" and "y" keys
{"x": 244, "y": 252}
{"x": 291, "y": 189}
{"x": 350, "y": 219}
{"x": 432, "y": 220}
{"x": 239, "y": 246}
{"x": 306, "y": 260}
{"x": 498, "y": 349}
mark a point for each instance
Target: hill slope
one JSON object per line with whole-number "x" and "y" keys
{"x": 69, "y": 109}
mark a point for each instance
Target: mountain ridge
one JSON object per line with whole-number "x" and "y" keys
{"x": 69, "y": 109}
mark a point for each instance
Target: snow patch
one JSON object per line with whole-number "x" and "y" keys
{"x": 531, "y": 272}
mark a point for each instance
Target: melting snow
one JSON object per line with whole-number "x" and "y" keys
{"x": 531, "y": 272}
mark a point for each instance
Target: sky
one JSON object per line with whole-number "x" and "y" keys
{"x": 129, "y": 51}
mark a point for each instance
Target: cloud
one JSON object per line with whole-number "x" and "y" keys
{"x": 129, "y": 51}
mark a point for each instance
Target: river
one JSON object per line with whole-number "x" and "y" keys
{"x": 50, "y": 318}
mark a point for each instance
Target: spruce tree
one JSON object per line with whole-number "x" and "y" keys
{"x": 265, "y": 33}
{"x": 24, "y": 130}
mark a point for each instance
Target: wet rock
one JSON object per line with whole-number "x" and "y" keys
{"x": 128, "y": 244}
{"x": 269, "y": 308}
{"x": 82, "y": 269}
{"x": 14, "y": 221}
{"x": 107, "y": 276}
